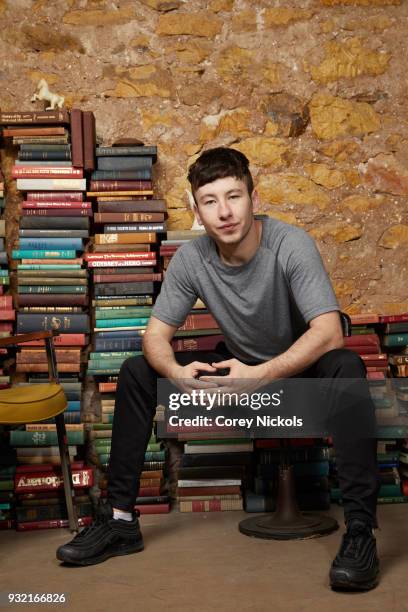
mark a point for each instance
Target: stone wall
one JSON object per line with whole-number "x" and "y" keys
{"x": 313, "y": 92}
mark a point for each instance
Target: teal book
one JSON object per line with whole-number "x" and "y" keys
{"x": 388, "y": 432}
{"x": 115, "y": 355}
{"x": 49, "y": 266}
{"x": 102, "y": 371}
{"x": 149, "y": 456}
{"x": 51, "y": 243}
{"x": 43, "y": 438}
{"x": 105, "y": 364}
{"x": 141, "y": 321}
{"x": 395, "y": 340}
{"x": 42, "y": 254}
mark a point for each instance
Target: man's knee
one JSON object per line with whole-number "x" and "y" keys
{"x": 343, "y": 362}
{"x": 133, "y": 367}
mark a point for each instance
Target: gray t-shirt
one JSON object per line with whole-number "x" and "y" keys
{"x": 262, "y": 306}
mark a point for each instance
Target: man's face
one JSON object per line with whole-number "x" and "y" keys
{"x": 225, "y": 209}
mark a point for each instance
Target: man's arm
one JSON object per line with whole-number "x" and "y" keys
{"x": 324, "y": 334}
{"x": 157, "y": 348}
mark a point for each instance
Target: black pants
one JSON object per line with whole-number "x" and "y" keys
{"x": 135, "y": 408}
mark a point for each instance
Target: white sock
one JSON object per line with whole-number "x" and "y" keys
{"x": 121, "y": 514}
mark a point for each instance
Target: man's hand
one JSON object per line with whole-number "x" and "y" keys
{"x": 185, "y": 377}
{"x": 241, "y": 378}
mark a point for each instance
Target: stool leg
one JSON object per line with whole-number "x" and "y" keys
{"x": 66, "y": 472}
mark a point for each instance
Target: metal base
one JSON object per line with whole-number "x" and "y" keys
{"x": 287, "y": 523}
{"x": 309, "y": 525}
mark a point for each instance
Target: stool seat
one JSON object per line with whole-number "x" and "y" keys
{"x": 32, "y": 403}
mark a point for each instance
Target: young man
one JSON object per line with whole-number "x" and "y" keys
{"x": 265, "y": 284}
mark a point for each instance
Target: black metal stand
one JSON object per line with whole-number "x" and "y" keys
{"x": 287, "y": 523}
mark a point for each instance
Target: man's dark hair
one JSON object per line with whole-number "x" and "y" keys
{"x": 219, "y": 163}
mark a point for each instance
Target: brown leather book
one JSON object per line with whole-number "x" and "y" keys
{"x": 60, "y": 299}
{"x": 126, "y": 278}
{"x": 126, "y": 238}
{"x": 127, "y": 217}
{"x": 133, "y": 206}
{"x": 133, "y": 185}
{"x": 37, "y": 131}
{"x": 77, "y": 143}
{"x": 89, "y": 139}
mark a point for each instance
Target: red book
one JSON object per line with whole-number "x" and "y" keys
{"x": 54, "y": 196}
{"x": 57, "y": 212}
{"x": 364, "y": 349}
{"x": 7, "y": 315}
{"x": 199, "y": 321}
{"x": 142, "y": 255}
{"x": 131, "y": 263}
{"x": 52, "y": 299}
{"x": 153, "y": 508}
{"x": 375, "y": 360}
{"x": 1, "y": 289}
{"x": 405, "y": 487}
{"x": 107, "y": 387}
{"x": 77, "y": 143}
{"x": 364, "y": 319}
{"x": 51, "y": 524}
{"x": 46, "y": 172}
{"x": 7, "y": 524}
{"x": 148, "y": 491}
{"x": 126, "y": 278}
{"x": 54, "y": 205}
{"x": 50, "y": 480}
{"x": 394, "y": 318}
{"x": 62, "y": 340}
{"x": 375, "y": 375}
{"x": 45, "y": 467}
{"x": 6, "y": 301}
{"x": 221, "y": 490}
{"x": 201, "y": 343}
{"x": 6, "y": 327}
{"x": 362, "y": 340}
{"x": 131, "y": 185}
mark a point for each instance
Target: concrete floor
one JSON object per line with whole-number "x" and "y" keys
{"x": 201, "y": 562}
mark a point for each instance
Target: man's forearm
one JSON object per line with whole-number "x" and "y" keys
{"x": 160, "y": 355}
{"x": 301, "y": 355}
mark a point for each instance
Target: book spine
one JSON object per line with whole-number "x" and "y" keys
{"x": 75, "y": 244}
{"x": 128, "y": 217}
{"x": 89, "y": 139}
{"x": 158, "y": 206}
{"x": 42, "y": 254}
{"x": 43, "y": 438}
{"x": 123, "y": 163}
{"x": 74, "y": 323}
{"x": 55, "y": 196}
{"x": 125, "y": 151}
{"x": 57, "y": 212}
{"x": 126, "y": 288}
{"x": 77, "y": 138}
{"x": 49, "y": 172}
{"x": 51, "y": 184}
{"x": 138, "y": 185}
{"x": 52, "y": 524}
{"x": 56, "y": 204}
{"x": 41, "y": 299}
{"x": 62, "y": 340}
{"x": 124, "y": 278}
{"x": 54, "y": 222}
{"x": 39, "y": 155}
{"x": 126, "y": 238}
{"x": 34, "y": 117}
{"x": 120, "y": 175}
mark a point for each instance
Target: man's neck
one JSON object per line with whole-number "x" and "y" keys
{"x": 244, "y": 251}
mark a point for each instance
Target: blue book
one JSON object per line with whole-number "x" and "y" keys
{"x": 73, "y": 405}
{"x": 124, "y": 163}
{"x": 42, "y": 254}
{"x": 140, "y": 322}
{"x": 122, "y": 175}
{"x": 51, "y": 243}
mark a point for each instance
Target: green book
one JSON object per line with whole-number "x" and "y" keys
{"x": 48, "y": 267}
{"x": 102, "y": 371}
{"x": 98, "y": 426}
{"x": 392, "y": 431}
{"x": 42, "y": 254}
{"x": 122, "y": 313}
{"x": 6, "y": 485}
{"x": 197, "y": 332}
{"x": 149, "y": 456}
{"x": 395, "y": 499}
{"x": 43, "y": 438}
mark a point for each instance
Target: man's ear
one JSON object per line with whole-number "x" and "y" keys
{"x": 255, "y": 200}
{"x": 197, "y": 214}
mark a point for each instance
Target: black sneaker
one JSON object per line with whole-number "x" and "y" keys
{"x": 356, "y": 566}
{"x": 104, "y": 538}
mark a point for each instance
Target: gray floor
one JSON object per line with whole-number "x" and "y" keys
{"x": 201, "y": 562}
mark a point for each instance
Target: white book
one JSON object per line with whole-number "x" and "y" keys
{"x": 51, "y": 184}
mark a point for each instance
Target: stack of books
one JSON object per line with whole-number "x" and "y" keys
{"x": 7, "y": 312}
{"x": 310, "y": 460}
{"x": 7, "y": 497}
{"x": 41, "y": 501}
{"x": 212, "y": 473}
{"x": 52, "y": 284}
{"x": 152, "y": 498}
{"x": 123, "y": 261}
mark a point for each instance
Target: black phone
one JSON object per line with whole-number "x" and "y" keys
{"x": 221, "y": 372}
